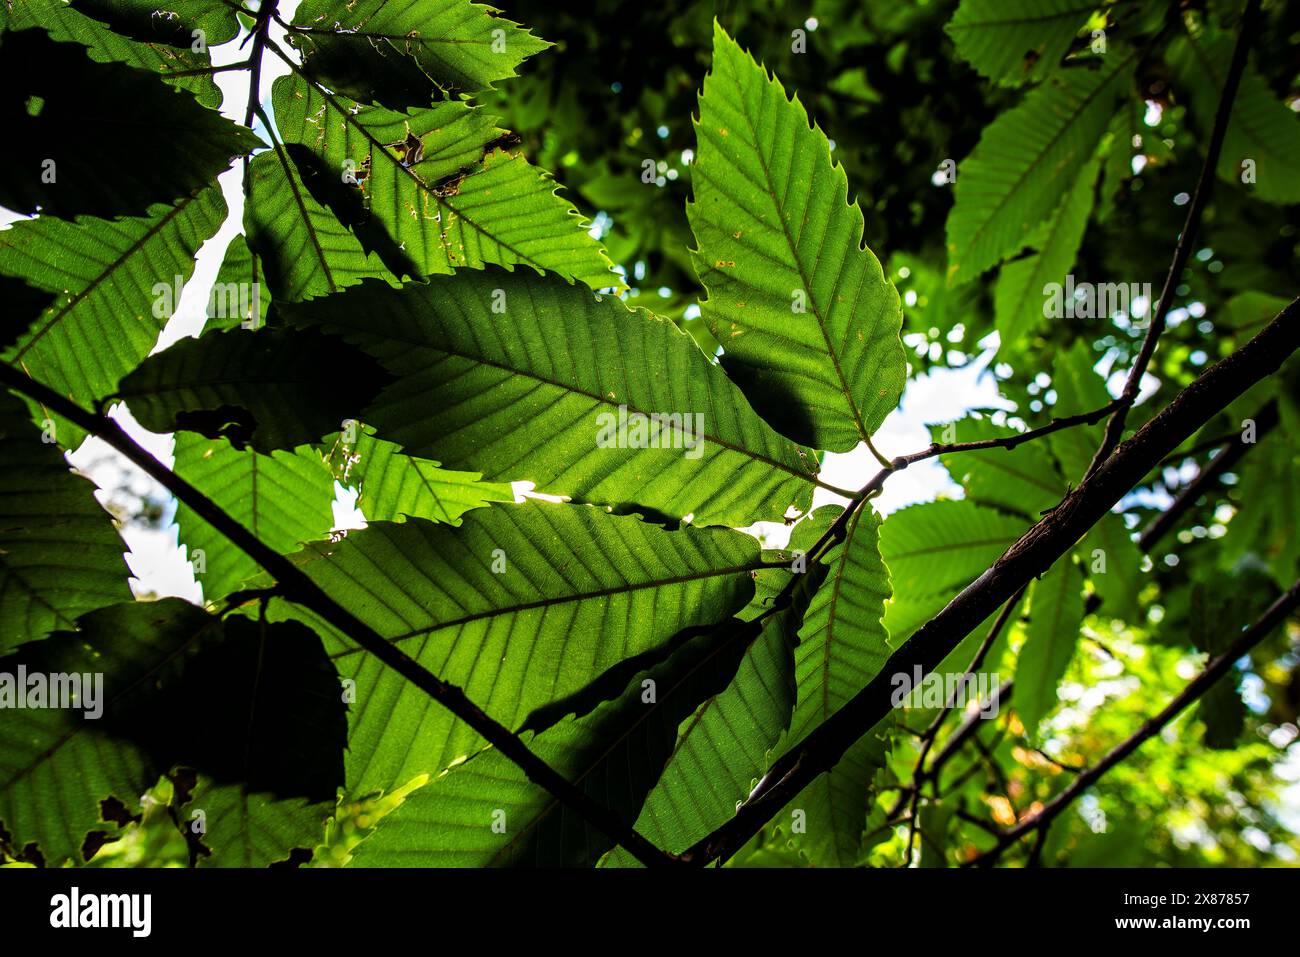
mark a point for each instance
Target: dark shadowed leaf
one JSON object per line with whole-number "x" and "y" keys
{"x": 137, "y": 141}
{"x": 404, "y": 52}
{"x": 269, "y": 388}
{"x": 251, "y": 706}
{"x": 485, "y": 812}
{"x": 520, "y": 605}
{"x": 59, "y": 553}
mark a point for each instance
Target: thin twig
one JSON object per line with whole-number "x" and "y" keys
{"x": 970, "y": 724}
{"x": 1198, "y": 686}
{"x": 1229, "y": 454}
{"x": 1068, "y": 768}
{"x": 260, "y": 29}
{"x": 206, "y": 70}
{"x": 1183, "y": 251}
{"x": 836, "y": 532}
{"x": 919, "y": 775}
{"x": 1196, "y": 450}
{"x": 983, "y": 825}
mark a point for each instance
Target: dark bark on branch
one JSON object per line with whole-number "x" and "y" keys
{"x": 1229, "y": 454}
{"x": 295, "y": 586}
{"x": 1183, "y": 251}
{"x": 920, "y": 775}
{"x": 260, "y": 28}
{"x": 1026, "y": 559}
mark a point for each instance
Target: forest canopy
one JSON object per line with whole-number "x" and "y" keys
{"x": 616, "y": 324}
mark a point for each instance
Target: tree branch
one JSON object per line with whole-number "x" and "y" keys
{"x": 969, "y": 725}
{"x": 1198, "y": 686}
{"x": 837, "y": 530}
{"x": 260, "y": 29}
{"x": 1044, "y": 543}
{"x": 919, "y": 775}
{"x": 297, "y": 587}
{"x": 1229, "y": 454}
{"x": 1183, "y": 251}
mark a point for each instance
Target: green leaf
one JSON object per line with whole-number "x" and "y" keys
{"x": 1055, "y": 616}
{"x": 252, "y": 830}
{"x": 270, "y": 388}
{"x": 1221, "y": 709}
{"x": 55, "y": 768}
{"x": 303, "y": 247}
{"x": 1224, "y": 715}
{"x": 1078, "y": 389}
{"x": 1021, "y": 480}
{"x": 115, "y": 282}
{"x": 935, "y": 550}
{"x": 23, "y": 304}
{"x": 842, "y": 646}
{"x": 501, "y": 374}
{"x": 1261, "y": 128}
{"x": 723, "y": 748}
{"x": 1108, "y": 546}
{"x": 151, "y": 143}
{"x": 284, "y": 499}
{"x": 577, "y": 591}
{"x": 402, "y": 52}
{"x": 1268, "y": 510}
{"x": 166, "y": 21}
{"x": 1012, "y": 41}
{"x": 391, "y": 486}
{"x": 1026, "y": 160}
{"x": 64, "y": 23}
{"x": 251, "y": 706}
{"x": 842, "y": 643}
{"x": 1126, "y": 129}
{"x": 1248, "y": 312}
{"x": 807, "y": 321}
{"x": 239, "y": 295}
{"x": 1020, "y": 294}
{"x": 59, "y": 553}
{"x": 934, "y": 821}
{"x": 615, "y": 754}
{"x": 269, "y": 696}
{"x": 435, "y": 188}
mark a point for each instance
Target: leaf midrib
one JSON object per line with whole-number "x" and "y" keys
{"x": 306, "y": 218}
{"x": 797, "y": 258}
{"x": 597, "y": 397}
{"x": 515, "y": 609}
{"x": 103, "y": 276}
{"x": 1039, "y": 154}
{"x": 1034, "y": 19}
{"x": 350, "y": 119}
{"x": 955, "y": 546}
{"x": 627, "y": 733}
